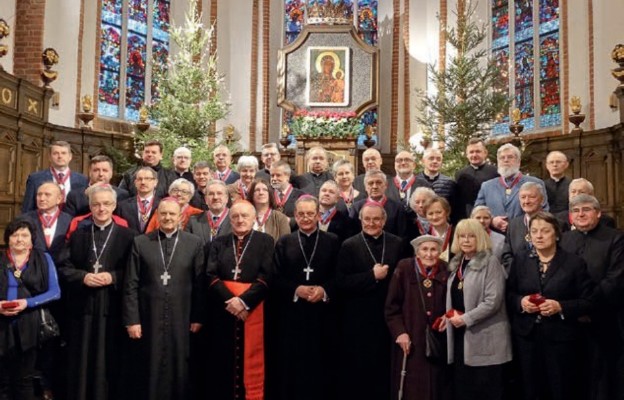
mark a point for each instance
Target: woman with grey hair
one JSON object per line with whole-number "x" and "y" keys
{"x": 182, "y": 190}
{"x": 247, "y": 168}
{"x": 419, "y": 224}
{"x": 484, "y": 216}
{"x": 478, "y": 331}
{"x": 416, "y": 303}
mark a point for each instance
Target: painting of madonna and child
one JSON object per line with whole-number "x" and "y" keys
{"x": 327, "y": 76}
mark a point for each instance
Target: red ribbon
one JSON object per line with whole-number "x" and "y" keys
{"x": 48, "y": 224}
{"x": 410, "y": 182}
{"x": 264, "y": 218}
{"x": 12, "y": 261}
{"x": 280, "y": 204}
{"x": 214, "y": 226}
{"x": 513, "y": 183}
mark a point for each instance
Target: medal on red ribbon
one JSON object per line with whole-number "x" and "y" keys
{"x": 508, "y": 188}
{"x": 348, "y": 199}
{"x": 59, "y": 181}
{"x": 145, "y": 211}
{"x": 403, "y": 192}
{"x": 223, "y": 176}
{"x": 460, "y": 275}
{"x": 47, "y": 225}
{"x": 264, "y": 219}
{"x": 215, "y": 225}
{"x": 282, "y": 203}
{"x": 447, "y": 236}
{"x": 242, "y": 190}
{"x": 324, "y": 222}
{"x": 381, "y": 202}
{"x": 17, "y": 272}
{"x": 427, "y": 282}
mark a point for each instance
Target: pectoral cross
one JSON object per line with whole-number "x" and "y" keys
{"x": 236, "y": 271}
{"x": 96, "y": 267}
{"x": 165, "y": 277}
{"x": 307, "y": 270}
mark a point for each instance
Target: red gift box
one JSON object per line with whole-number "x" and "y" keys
{"x": 452, "y": 312}
{"x": 437, "y": 323}
{"x": 537, "y": 299}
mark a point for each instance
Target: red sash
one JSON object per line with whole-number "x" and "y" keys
{"x": 253, "y": 375}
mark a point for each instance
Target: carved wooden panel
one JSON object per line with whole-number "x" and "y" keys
{"x": 8, "y": 157}
{"x": 7, "y": 213}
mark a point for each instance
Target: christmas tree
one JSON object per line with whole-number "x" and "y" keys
{"x": 188, "y": 101}
{"x": 469, "y": 94}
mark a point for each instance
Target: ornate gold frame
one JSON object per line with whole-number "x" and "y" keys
{"x": 302, "y": 39}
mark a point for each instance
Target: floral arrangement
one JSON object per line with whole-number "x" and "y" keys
{"x": 325, "y": 124}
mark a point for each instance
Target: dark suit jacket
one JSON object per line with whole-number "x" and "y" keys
{"x": 129, "y": 210}
{"x": 78, "y": 203}
{"x": 233, "y": 177}
{"x": 566, "y": 281}
{"x": 289, "y": 207}
{"x": 310, "y": 183}
{"x": 77, "y": 180}
{"x": 198, "y": 225}
{"x": 515, "y": 241}
{"x": 58, "y": 242}
{"x": 564, "y": 220}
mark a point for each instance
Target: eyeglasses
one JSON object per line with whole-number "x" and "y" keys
{"x": 180, "y": 191}
{"x": 403, "y": 160}
{"x": 577, "y": 210}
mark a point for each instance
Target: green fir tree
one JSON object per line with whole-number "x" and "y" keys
{"x": 470, "y": 93}
{"x": 189, "y": 92}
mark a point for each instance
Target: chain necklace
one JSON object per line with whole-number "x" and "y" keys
{"x": 238, "y": 259}
{"x": 165, "y": 275}
{"x": 307, "y": 269}
{"x": 96, "y": 264}
{"x": 383, "y": 249}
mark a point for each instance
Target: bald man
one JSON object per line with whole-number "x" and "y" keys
{"x": 557, "y": 183}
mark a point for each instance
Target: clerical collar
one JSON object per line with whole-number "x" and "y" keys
{"x": 373, "y": 237}
{"x": 556, "y": 179}
{"x": 477, "y": 167}
{"x": 241, "y": 237}
{"x": 317, "y": 175}
{"x": 431, "y": 178}
{"x": 309, "y": 234}
{"x": 103, "y": 227}
{"x": 169, "y": 235}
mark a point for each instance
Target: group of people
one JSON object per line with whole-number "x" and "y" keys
{"x": 206, "y": 282}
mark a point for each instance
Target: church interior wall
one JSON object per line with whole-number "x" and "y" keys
{"x": 7, "y": 12}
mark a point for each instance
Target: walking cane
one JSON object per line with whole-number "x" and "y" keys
{"x": 403, "y": 373}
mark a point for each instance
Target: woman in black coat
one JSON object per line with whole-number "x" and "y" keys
{"x": 548, "y": 290}
{"x": 27, "y": 281}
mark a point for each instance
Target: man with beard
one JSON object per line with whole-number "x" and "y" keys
{"x": 163, "y": 303}
{"x": 305, "y": 287}
{"x": 602, "y": 248}
{"x": 376, "y": 186}
{"x": 222, "y": 157}
{"x": 500, "y": 194}
{"x": 317, "y": 165}
{"x": 470, "y": 178}
{"x": 365, "y": 264}
{"x": 138, "y": 210}
{"x": 238, "y": 268}
{"x": 92, "y": 268}
{"x": 284, "y": 193}
{"x": 214, "y": 222}
{"x": 100, "y": 171}
{"x": 151, "y": 157}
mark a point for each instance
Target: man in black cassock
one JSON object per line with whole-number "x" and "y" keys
{"x": 602, "y": 248}
{"x": 365, "y": 264}
{"x": 238, "y": 267}
{"x": 92, "y": 268}
{"x": 470, "y": 178}
{"x": 306, "y": 323}
{"x": 162, "y": 303}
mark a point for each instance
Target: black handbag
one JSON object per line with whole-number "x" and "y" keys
{"x": 48, "y": 328}
{"x": 434, "y": 349}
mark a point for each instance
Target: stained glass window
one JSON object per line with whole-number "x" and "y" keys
{"x": 525, "y": 46}
{"x": 133, "y": 32}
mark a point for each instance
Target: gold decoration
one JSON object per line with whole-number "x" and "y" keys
{"x": 87, "y": 105}
{"x": 50, "y": 58}
{"x": 576, "y": 117}
{"x": 285, "y": 140}
{"x": 328, "y": 13}
{"x": 228, "y": 133}
{"x": 516, "y": 116}
{"x": 143, "y": 114}
{"x": 617, "y": 54}
{"x": 4, "y": 32}
{"x": 369, "y": 131}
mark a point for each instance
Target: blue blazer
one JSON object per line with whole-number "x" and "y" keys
{"x": 58, "y": 241}
{"x": 78, "y": 181}
{"x": 492, "y": 194}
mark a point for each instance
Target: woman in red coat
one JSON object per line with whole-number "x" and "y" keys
{"x": 417, "y": 280}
